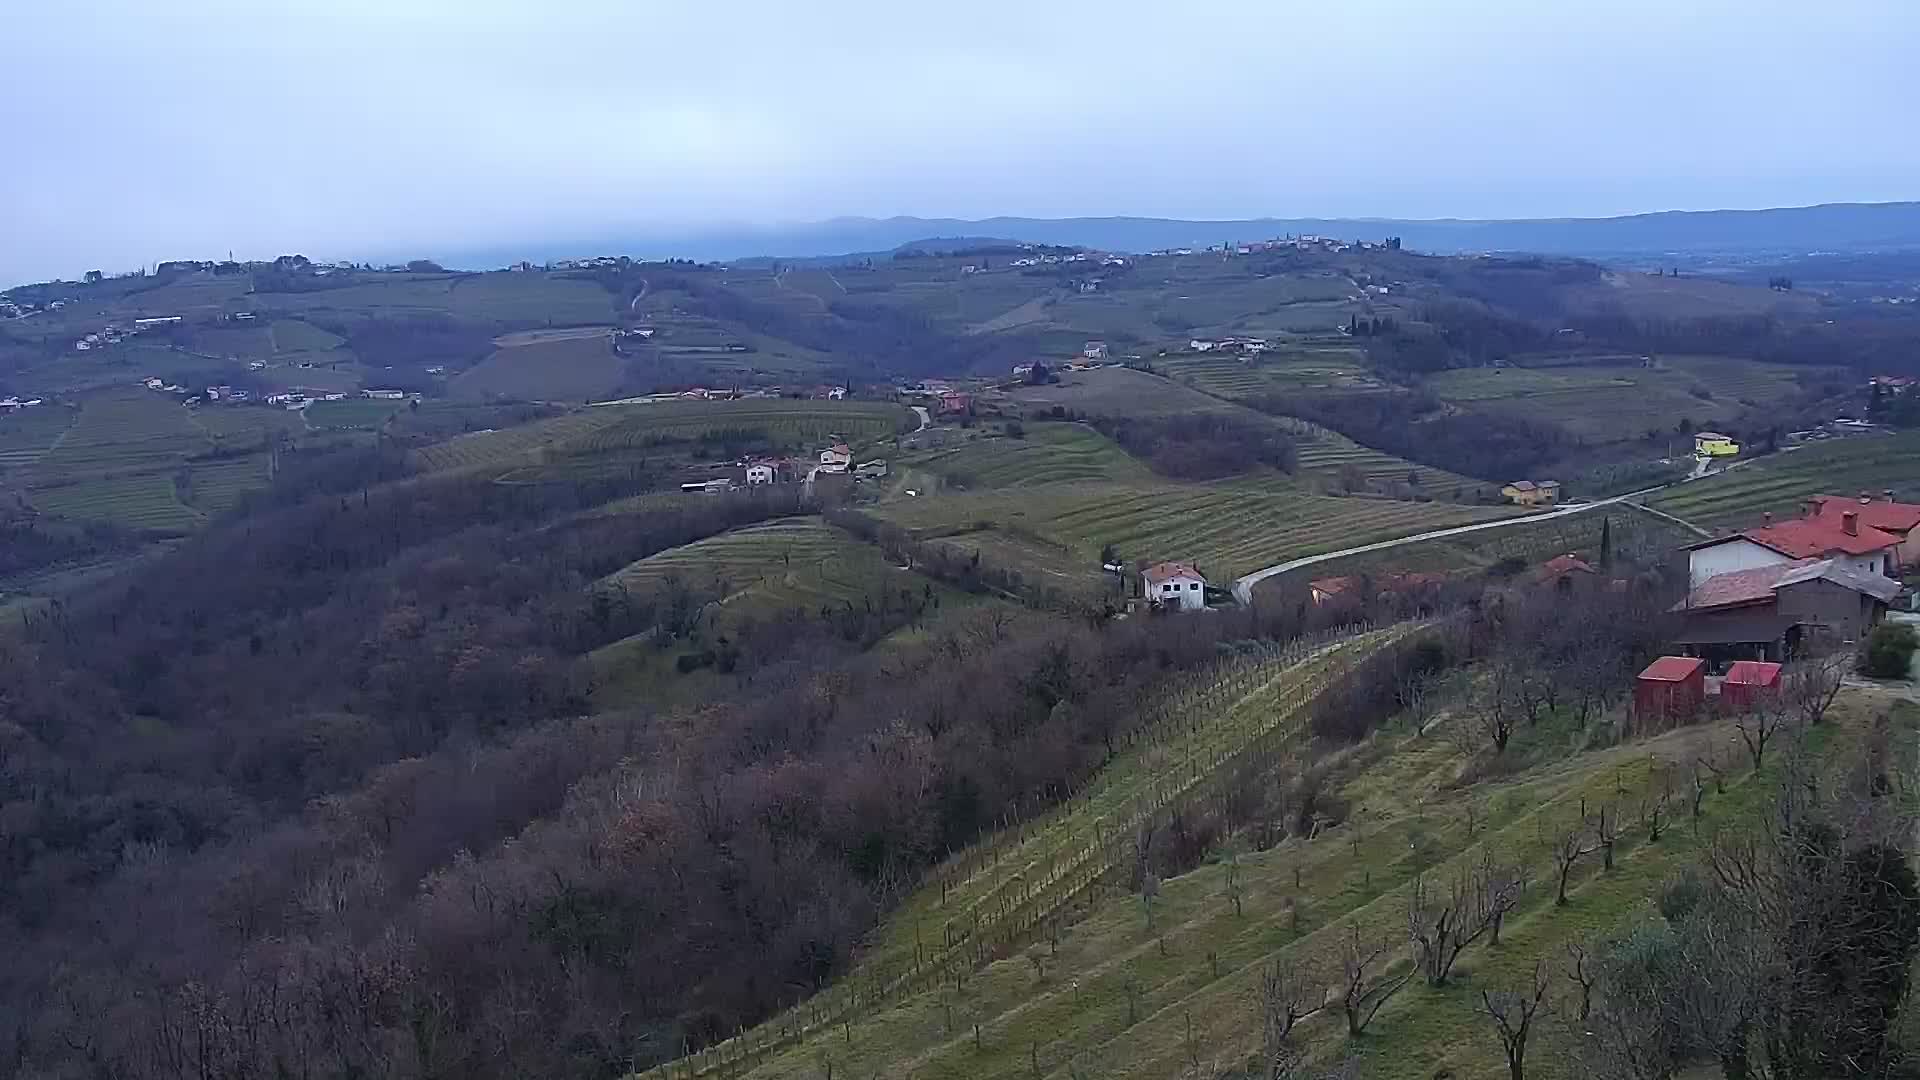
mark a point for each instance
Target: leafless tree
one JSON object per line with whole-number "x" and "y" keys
{"x": 1290, "y": 991}
{"x": 1368, "y": 981}
{"x": 1512, "y": 1012}
{"x": 1441, "y": 924}
{"x": 1581, "y": 971}
{"x": 1572, "y": 846}
{"x": 1759, "y": 722}
{"x": 1606, "y": 830}
{"x": 1809, "y": 689}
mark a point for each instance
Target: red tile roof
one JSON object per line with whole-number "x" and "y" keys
{"x": 1877, "y": 514}
{"x": 1672, "y": 669}
{"x": 1807, "y": 538}
{"x": 1560, "y": 566}
{"x": 1166, "y": 570}
{"x": 1739, "y": 586}
{"x": 1334, "y": 586}
{"x": 1753, "y": 673}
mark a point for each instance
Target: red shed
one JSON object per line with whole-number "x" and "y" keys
{"x": 1747, "y": 680}
{"x": 1671, "y": 688}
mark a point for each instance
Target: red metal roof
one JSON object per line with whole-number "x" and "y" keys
{"x": 1753, "y": 673}
{"x": 1672, "y": 669}
{"x": 1807, "y": 538}
{"x": 1878, "y": 513}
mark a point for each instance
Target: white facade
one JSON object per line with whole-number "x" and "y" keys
{"x": 1733, "y": 553}
{"x": 1740, "y": 553}
{"x": 759, "y": 474}
{"x": 1186, "y": 590}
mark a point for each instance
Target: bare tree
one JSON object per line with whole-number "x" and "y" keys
{"x": 1512, "y": 1012}
{"x": 1290, "y": 991}
{"x": 1567, "y": 853}
{"x": 1606, "y": 830}
{"x": 1810, "y": 688}
{"x": 1367, "y": 980}
{"x": 1580, "y": 968}
{"x": 1442, "y": 925}
{"x": 1763, "y": 718}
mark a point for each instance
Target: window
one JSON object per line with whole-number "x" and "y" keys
{"x": 1194, "y": 586}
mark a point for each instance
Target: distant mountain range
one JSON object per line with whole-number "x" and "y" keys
{"x": 1831, "y": 227}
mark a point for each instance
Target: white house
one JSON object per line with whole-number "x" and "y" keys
{"x": 759, "y": 474}
{"x": 1201, "y": 345}
{"x": 837, "y": 454}
{"x": 1847, "y": 541}
{"x": 1175, "y": 583}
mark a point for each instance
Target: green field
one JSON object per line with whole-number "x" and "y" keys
{"x": 367, "y": 413}
{"x": 247, "y": 425}
{"x": 1048, "y": 453}
{"x": 132, "y": 430}
{"x": 1290, "y": 371}
{"x": 215, "y": 486}
{"x": 575, "y": 369}
{"x": 1227, "y": 530}
{"x": 786, "y": 563}
{"x": 1779, "y": 482}
{"x": 295, "y": 335}
{"x": 517, "y": 444}
{"x": 140, "y": 500}
{"x": 26, "y": 434}
{"x": 1611, "y": 403}
{"x": 792, "y": 424}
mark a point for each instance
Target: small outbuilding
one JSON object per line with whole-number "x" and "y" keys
{"x": 1671, "y": 688}
{"x": 1747, "y": 682}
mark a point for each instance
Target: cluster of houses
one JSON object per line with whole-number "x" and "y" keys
{"x": 1759, "y": 594}
{"x": 1249, "y": 346}
{"x": 836, "y": 459}
{"x": 112, "y": 334}
{"x": 14, "y": 404}
{"x": 1532, "y": 492}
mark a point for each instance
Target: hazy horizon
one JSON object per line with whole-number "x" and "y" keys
{"x": 362, "y": 130}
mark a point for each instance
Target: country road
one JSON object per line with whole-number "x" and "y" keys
{"x": 925, "y": 419}
{"x": 1243, "y": 588}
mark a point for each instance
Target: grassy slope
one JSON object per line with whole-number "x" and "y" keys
{"x": 576, "y": 369}
{"x": 1197, "y": 978}
{"x": 1779, "y": 482}
{"x": 1229, "y": 530}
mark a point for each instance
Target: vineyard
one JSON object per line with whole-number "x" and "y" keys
{"x": 792, "y": 425}
{"x": 1249, "y": 712}
{"x": 368, "y": 413}
{"x": 1228, "y": 530}
{"x": 1047, "y": 454}
{"x": 130, "y": 430}
{"x": 514, "y": 445}
{"x": 1294, "y": 371}
{"x": 217, "y": 485}
{"x": 1779, "y": 483}
{"x": 140, "y": 500}
{"x": 26, "y": 434}
{"x": 566, "y": 369}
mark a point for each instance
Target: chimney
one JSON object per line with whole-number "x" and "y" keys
{"x": 1865, "y": 498}
{"x": 1889, "y": 494}
{"x": 1766, "y": 520}
{"x": 1815, "y": 504}
{"x": 1850, "y": 523}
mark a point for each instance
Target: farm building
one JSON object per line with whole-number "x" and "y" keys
{"x": 1747, "y": 682}
{"x": 1561, "y": 571}
{"x": 1532, "y": 492}
{"x": 954, "y": 401}
{"x": 837, "y": 454}
{"x": 1714, "y": 444}
{"x": 1896, "y": 519}
{"x": 1766, "y": 612}
{"x": 1820, "y": 534}
{"x": 759, "y": 473}
{"x": 1671, "y": 688}
{"x": 1175, "y": 584}
{"x": 1094, "y": 350}
{"x": 1330, "y": 589}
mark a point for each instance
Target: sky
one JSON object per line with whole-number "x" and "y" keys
{"x": 140, "y": 131}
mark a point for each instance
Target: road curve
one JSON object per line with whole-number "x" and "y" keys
{"x": 1243, "y": 588}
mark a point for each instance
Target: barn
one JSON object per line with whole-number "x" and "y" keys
{"x": 1747, "y": 682}
{"x": 1671, "y": 688}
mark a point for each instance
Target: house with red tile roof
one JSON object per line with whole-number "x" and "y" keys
{"x": 1328, "y": 589}
{"x": 1766, "y": 612}
{"x": 1896, "y": 519}
{"x": 1561, "y": 570}
{"x": 1841, "y": 536}
{"x": 1175, "y": 584}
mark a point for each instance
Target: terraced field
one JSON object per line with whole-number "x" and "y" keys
{"x": 216, "y": 486}
{"x": 131, "y": 430}
{"x": 1228, "y": 530}
{"x": 1048, "y": 454}
{"x": 1293, "y": 371}
{"x": 244, "y": 425}
{"x": 298, "y": 335}
{"x": 367, "y": 413}
{"x": 1613, "y": 403}
{"x": 567, "y": 369}
{"x": 1778, "y": 483}
{"x": 26, "y": 434}
{"x": 784, "y": 423}
{"x": 141, "y": 500}
{"x": 1118, "y": 996}
{"x": 517, "y": 444}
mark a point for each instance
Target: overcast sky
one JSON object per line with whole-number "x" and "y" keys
{"x": 168, "y": 129}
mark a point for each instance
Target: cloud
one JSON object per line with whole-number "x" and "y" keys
{"x": 142, "y": 132}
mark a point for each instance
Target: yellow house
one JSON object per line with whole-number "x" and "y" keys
{"x": 1714, "y": 444}
{"x": 1532, "y": 492}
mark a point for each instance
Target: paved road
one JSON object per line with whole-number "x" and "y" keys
{"x": 1243, "y": 588}
{"x": 925, "y": 419}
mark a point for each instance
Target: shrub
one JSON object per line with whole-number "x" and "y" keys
{"x": 1890, "y": 650}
